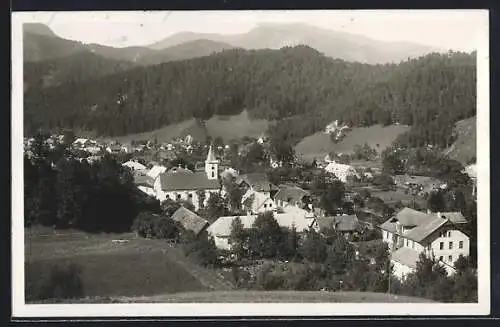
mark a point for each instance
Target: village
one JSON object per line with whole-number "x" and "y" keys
{"x": 374, "y": 206}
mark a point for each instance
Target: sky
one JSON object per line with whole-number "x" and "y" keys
{"x": 451, "y": 29}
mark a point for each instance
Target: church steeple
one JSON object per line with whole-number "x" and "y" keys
{"x": 211, "y": 165}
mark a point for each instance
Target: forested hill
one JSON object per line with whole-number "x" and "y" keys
{"x": 76, "y": 68}
{"x": 297, "y": 82}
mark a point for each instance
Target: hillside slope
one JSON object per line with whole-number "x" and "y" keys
{"x": 71, "y": 69}
{"x": 377, "y": 137}
{"x": 464, "y": 147}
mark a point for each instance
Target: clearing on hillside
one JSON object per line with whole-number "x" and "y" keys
{"x": 318, "y": 145}
{"x": 464, "y": 147}
{"x": 231, "y": 127}
{"x": 236, "y": 126}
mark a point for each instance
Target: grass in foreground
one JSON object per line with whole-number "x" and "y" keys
{"x": 263, "y": 297}
{"x": 138, "y": 267}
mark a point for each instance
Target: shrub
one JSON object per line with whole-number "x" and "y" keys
{"x": 57, "y": 282}
{"x": 155, "y": 226}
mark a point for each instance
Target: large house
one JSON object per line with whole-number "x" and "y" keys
{"x": 257, "y": 202}
{"x": 257, "y": 182}
{"x": 220, "y": 230}
{"x": 346, "y": 225}
{"x": 183, "y": 184}
{"x": 341, "y": 171}
{"x": 410, "y": 233}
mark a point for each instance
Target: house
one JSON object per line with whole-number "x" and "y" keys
{"x": 190, "y": 221}
{"x": 439, "y": 235}
{"x": 257, "y": 202}
{"x": 346, "y": 225}
{"x": 220, "y": 230}
{"x": 114, "y": 148}
{"x": 341, "y": 171}
{"x": 183, "y": 184}
{"x": 134, "y": 165}
{"x": 144, "y": 183}
{"x": 292, "y": 196}
{"x": 257, "y": 182}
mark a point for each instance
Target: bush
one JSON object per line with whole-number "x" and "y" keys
{"x": 57, "y": 282}
{"x": 149, "y": 225}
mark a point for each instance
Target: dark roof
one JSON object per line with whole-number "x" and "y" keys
{"x": 258, "y": 181}
{"x": 347, "y": 223}
{"x": 421, "y": 232}
{"x": 291, "y": 194}
{"x": 423, "y": 224}
{"x": 143, "y": 180}
{"x": 189, "y": 220}
{"x": 187, "y": 180}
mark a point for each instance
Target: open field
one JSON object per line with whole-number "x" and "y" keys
{"x": 318, "y": 145}
{"x": 263, "y": 297}
{"x": 136, "y": 267}
{"x": 236, "y": 126}
{"x": 227, "y": 127}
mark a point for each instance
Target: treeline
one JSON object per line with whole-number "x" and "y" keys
{"x": 63, "y": 192}
{"x": 297, "y": 84}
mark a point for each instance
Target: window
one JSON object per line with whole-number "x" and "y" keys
{"x": 178, "y": 196}
{"x": 461, "y": 244}
{"x": 213, "y": 167}
{"x": 450, "y": 258}
{"x": 441, "y": 258}
{"x": 213, "y": 175}
{"x": 190, "y": 195}
{"x": 441, "y": 245}
{"x": 265, "y": 205}
{"x": 450, "y": 245}
{"x": 413, "y": 245}
{"x": 449, "y": 233}
{"x": 270, "y": 205}
{"x": 407, "y": 243}
{"x": 429, "y": 247}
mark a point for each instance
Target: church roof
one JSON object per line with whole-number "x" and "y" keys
{"x": 211, "y": 156}
{"x": 184, "y": 181}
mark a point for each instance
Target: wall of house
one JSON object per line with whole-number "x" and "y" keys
{"x": 400, "y": 270}
{"x": 450, "y": 235}
{"x": 268, "y": 205}
{"x": 222, "y": 243}
{"x": 190, "y": 196}
{"x": 147, "y": 190}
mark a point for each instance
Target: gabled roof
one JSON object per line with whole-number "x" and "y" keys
{"x": 422, "y": 224}
{"x": 258, "y": 181}
{"x": 143, "y": 180}
{"x": 184, "y": 181}
{"x": 406, "y": 256}
{"x": 454, "y": 217}
{"x": 258, "y": 199}
{"x": 156, "y": 171}
{"x": 134, "y": 165}
{"x": 189, "y": 220}
{"x": 222, "y": 226}
{"x": 346, "y": 223}
{"x": 291, "y": 194}
{"x": 421, "y": 232}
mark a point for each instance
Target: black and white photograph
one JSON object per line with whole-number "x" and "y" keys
{"x": 250, "y": 163}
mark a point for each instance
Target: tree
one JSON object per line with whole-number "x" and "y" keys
{"x": 216, "y": 207}
{"x": 384, "y": 181}
{"x": 234, "y": 194}
{"x": 330, "y": 192}
{"x": 339, "y": 256}
{"x": 238, "y": 238}
{"x": 314, "y": 247}
{"x": 266, "y": 236}
{"x": 392, "y": 162}
{"x": 436, "y": 201}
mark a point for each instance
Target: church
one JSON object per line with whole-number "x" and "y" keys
{"x": 183, "y": 184}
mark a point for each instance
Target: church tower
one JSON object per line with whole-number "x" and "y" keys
{"x": 212, "y": 165}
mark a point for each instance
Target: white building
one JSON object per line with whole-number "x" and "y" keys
{"x": 220, "y": 230}
{"x": 410, "y": 233}
{"x": 134, "y": 165}
{"x": 183, "y": 184}
{"x": 257, "y": 202}
{"x": 341, "y": 171}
